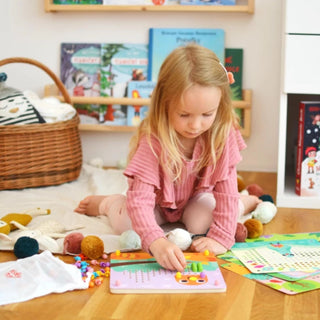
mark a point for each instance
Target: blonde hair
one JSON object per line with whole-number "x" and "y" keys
{"x": 186, "y": 66}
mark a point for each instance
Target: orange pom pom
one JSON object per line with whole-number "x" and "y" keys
{"x": 254, "y": 228}
{"x": 92, "y": 247}
{"x": 241, "y": 184}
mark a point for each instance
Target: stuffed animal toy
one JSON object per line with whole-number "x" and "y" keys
{"x": 23, "y": 218}
{"x": 45, "y": 234}
{"x": 15, "y": 107}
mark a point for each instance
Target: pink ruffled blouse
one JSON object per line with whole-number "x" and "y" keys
{"x": 150, "y": 186}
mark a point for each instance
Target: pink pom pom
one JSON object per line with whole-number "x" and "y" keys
{"x": 72, "y": 243}
{"x": 255, "y": 190}
{"x": 241, "y": 233}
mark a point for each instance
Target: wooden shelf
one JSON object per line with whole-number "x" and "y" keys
{"x": 52, "y": 90}
{"x": 248, "y": 8}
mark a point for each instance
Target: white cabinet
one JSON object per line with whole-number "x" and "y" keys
{"x": 300, "y": 81}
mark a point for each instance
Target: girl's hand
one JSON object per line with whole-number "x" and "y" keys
{"x": 205, "y": 243}
{"x": 168, "y": 255}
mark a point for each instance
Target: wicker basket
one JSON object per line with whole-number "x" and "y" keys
{"x": 37, "y": 155}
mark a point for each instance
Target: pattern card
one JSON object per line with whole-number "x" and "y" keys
{"x": 282, "y": 256}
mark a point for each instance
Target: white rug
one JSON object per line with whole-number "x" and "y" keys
{"x": 62, "y": 200}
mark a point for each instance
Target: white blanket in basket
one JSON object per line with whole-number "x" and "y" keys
{"x": 62, "y": 200}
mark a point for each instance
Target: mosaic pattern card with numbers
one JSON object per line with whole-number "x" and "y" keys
{"x": 307, "y": 283}
{"x": 138, "y": 272}
{"x": 279, "y": 256}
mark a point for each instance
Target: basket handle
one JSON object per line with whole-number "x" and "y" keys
{"x": 38, "y": 64}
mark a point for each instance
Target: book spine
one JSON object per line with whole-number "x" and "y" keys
{"x": 300, "y": 148}
{"x": 150, "y": 54}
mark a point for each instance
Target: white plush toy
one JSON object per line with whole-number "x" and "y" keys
{"x": 44, "y": 234}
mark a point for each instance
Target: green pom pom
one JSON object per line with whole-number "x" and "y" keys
{"x": 25, "y": 247}
{"x": 130, "y": 240}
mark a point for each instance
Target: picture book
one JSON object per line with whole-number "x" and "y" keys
{"x": 80, "y": 73}
{"x": 140, "y": 273}
{"x": 234, "y": 64}
{"x": 163, "y": 40}
{"x": 120, "y": 64}
{"x": 281, "y": 256}
{"x": 208, "y": 2}
{"x": 138, "y": 89}
{"x": 308, "y": 150}
{"x": 139, "y": 2}
{"x": 80, "y": 67}
{"x": 77, "y": 1}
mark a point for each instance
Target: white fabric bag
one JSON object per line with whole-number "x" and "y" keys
{"x": 38, "y": 275}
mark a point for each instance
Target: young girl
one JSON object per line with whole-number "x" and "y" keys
{"x": 182, "y": 164}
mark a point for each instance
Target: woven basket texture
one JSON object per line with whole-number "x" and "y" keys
{"x": 38, "y": 155}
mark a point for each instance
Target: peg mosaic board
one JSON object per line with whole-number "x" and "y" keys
{"x": 140, "y": 273}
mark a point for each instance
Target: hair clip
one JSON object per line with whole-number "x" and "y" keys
{"x": 229, "y": 74}
{"x": 230, "y": 77}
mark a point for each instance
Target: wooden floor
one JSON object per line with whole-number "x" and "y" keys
{"x": 244, "y": 299}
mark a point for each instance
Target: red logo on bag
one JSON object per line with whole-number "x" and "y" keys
{"x": 13, "y": 274}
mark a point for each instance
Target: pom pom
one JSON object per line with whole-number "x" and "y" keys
{"x": 265, "y": 212}
{"x": 241, "y": 184}
{"x": 129, "y": 240}
{"x": 92, "y": 247}
{"x": 241, "y": 233}
{"x": 254, "y": 228}
{"x": 25, "y": 247}
{"x": 72, "y": 243}
{"x": 180, "y": 237}
{"x": 266, "y": 197}
{"x": 255, "y": 190}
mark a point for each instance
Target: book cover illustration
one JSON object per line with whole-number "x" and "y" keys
{"x": 164, "y": 40}
{"x": 120, "y": 63}
{"x": 138, "y": 89}
{"x": 80, "y": 73}
{"x": 208, "y": 2}
{"x": 80, "y": 67}
{"x": 308, "y": 150}
{"x": 140, "y": 273}
{"x": 234, "y": 64}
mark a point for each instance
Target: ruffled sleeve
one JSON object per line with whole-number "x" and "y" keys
{"x": 145, "y": 163}
{"x": 145, "y": 181}
{"x": 223, "y": 183}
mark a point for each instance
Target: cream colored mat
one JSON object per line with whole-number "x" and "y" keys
{"x": 62, "y": 200}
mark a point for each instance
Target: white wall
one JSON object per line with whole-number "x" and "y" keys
{"x": 27, "y": 30}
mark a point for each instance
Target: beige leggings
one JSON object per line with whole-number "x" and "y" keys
{"x": 197, "y": 215}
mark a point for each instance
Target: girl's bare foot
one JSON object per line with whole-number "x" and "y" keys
{"x": 250, "y": 202}
{"x": 89, "y": 205}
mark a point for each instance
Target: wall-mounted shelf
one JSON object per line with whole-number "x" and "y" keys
{"x": 52, "y": 90}
{"x": 247, "y": 8}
